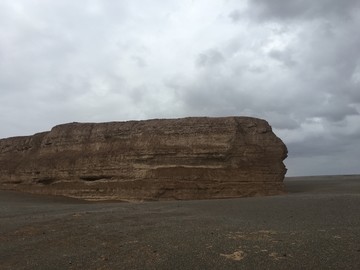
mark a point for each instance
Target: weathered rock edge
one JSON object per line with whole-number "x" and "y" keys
{"x": 188, "y": 158}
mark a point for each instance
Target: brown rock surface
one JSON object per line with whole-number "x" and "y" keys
{"x": 189, "y": 158}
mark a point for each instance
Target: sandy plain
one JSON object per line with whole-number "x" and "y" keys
{"x": 316, "y": 225}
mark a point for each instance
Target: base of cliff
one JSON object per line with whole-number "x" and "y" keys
{"x": 143, "y": 190}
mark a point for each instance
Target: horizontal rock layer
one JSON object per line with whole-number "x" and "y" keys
{"x": 189, "y": 158}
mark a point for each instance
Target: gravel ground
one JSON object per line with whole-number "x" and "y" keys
{"x": 315, "y": 226}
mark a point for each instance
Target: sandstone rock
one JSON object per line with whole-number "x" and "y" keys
{"x": 189, "y": 158}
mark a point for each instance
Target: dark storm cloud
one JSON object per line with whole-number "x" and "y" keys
{"x": 335, "y": 109}
{"x": 310, "y": 73}
{"x": 304, "y": 9}
{"x": 336, "y": 150}
{"x": 320, "y": 145}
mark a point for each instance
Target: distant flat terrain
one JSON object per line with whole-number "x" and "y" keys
{"x": 316, "y": 225}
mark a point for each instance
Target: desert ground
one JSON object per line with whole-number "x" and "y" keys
{"x": 316, "y": 225}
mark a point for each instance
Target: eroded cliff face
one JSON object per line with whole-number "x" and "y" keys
{"x": 189, "y": 158}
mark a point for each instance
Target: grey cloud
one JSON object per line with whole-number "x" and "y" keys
{"x": 140, "y": 62}
{"x": 281, "y": 121}
{"x": 335, "y": 148}
{"x": 333, "y": 164}
{"x": 318, "y": 146}
{"x": 335, "y": 110}
{"x": 216, "y": 93}
{"x": 209, "y": 58}
{"x": 284, "y": 57}
{"x": 298, "y": 9}
{"x": 235, "y": 15}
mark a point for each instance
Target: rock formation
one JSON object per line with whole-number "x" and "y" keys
{"x": 189, "y": 158}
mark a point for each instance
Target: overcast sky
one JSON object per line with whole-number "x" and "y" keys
{"x": 295, "y": 63}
